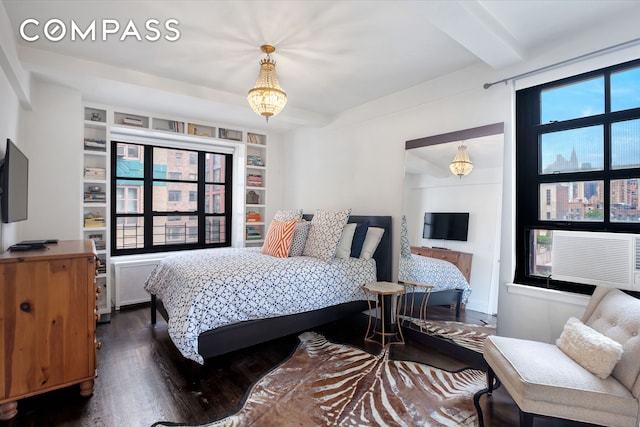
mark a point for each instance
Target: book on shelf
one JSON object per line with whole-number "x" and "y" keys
{"x": 254, "y": 217}
{"x": 254, "y": 181}
{"x": 254, "y": 232}
{"x": 254, "y": 160}
{"x": 95, "y": 172}
{"x": 95, "y": 197}
{"x": 132, "y": 121}
{"x": 254, "y": 138}
{"x": 98, "y": 240}
{"x": 95, "y": 144}
{"x": 234, "y": 135}
{"x": 175, "y": 126}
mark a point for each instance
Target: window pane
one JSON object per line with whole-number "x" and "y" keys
{"x": 214, "y": 198}
{"x": 172, "y": 230}
{"x": 572, "y": 201}
{"x": 582, "y": 99}
{"x": 129, "y": 166}
{"x": 625, "y": 144}
{"x": 624, "y": 200}
{"x": 129, "y": 233}
{"x": 129, "y": 194}
{"x": 575, "y": 150}
{"x": 625, "y": 89}
{"x": 214, "y": 167}
{"x": 167, "y": 163}
{"x": 540, "y": 258}
{"x": 214, "y": 229}
{"x": 174, "y": 197}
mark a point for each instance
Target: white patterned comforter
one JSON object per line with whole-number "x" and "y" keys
{"x": 209, "y": 288}
{"x": 432, "y": 271}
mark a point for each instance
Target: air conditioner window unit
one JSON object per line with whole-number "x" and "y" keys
{"x": 609, "y": 259}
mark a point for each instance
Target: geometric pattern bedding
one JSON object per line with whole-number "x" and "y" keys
{"x": 209, "y": 288}
{"x": 432, "y": 271}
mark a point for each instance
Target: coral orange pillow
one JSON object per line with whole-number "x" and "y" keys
{"x": 279, "y": 238}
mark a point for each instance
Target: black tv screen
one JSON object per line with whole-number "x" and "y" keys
{"x": 14, "y": 174}
{"x": 446, "y": 226}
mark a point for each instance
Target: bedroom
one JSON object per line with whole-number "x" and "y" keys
{"x": 40, "y": 111}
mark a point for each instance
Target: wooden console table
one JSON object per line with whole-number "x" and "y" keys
{"x": 48, "y": 311}
{"x": 462, "y": 260}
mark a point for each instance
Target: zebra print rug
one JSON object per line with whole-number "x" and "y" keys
{"x": 327, "y": 384}
{"x": 463, "y": 334}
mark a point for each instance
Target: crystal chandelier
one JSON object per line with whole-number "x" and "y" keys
{"x": 461, "y": 165}
{"x": 267, "y": 97}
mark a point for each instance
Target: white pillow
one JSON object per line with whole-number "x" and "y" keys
{"x": 371, "y": 242}
{"x": 344, "y": 247}
{"x": 288, "y": 215}
{"x": 592, "y": 350}
{"x": 325, "y": 233}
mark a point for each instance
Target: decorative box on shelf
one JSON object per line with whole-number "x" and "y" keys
{"x": 253, "y": 198}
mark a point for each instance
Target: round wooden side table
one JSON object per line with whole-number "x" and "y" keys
{"x": 385, "y": 327}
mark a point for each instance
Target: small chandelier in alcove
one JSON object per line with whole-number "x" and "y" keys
{"x": 461, "y": 165}
{"x": 267, "y": 97}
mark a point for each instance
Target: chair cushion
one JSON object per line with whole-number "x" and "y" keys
{"x": 617, "y": 316}
{"x": 541, "y": 379}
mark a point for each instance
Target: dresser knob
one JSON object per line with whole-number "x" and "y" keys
{"x": 25, "y": 306}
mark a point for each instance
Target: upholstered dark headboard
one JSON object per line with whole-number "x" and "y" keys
{"x": 384, "y": 253}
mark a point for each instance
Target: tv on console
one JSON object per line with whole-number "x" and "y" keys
{"x": 446, "y": 225}
{"x": 14, "y": 174}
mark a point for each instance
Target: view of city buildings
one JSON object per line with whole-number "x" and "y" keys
{"x": 578, "y": 201}
{"x": 175, "y": 196}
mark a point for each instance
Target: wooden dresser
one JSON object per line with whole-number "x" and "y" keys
{"x": 462, "y": 260}
{"x": 47, "y": 321}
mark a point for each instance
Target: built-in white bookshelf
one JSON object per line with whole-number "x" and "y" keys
{"x": 256, "y": 189}
{"x": 95, "y": 200}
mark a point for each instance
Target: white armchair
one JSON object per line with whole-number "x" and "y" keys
{"x": 542, "y": 379}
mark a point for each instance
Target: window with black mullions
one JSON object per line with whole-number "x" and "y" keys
{"x": 164, "y": 203}
{"x": 577, "y": 164}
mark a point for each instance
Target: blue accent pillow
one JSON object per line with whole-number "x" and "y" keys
{"x": 358, "y": 238}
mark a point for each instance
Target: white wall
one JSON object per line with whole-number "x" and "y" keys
{"x": 359, "y": 163}
{"x": 52, "y": 133}
{"x": 9, "y": 111}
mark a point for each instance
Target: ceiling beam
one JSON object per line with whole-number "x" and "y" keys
{"x": 475, "y": 29}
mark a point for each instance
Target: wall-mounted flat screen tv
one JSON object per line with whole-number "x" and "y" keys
{"x": 446, "y": 225}
{"x": 14, "y": 174}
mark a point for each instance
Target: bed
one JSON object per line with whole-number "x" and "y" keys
{"x": 184, "y": 285}
{"x": 450, "y": 285}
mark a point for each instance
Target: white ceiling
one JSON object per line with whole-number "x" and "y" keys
{"x": 331, "y": 55}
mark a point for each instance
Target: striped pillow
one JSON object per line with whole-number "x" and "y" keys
{"x": 279, "y": 238}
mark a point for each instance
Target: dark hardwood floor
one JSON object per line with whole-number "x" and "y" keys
{"x": 142, "y": 377}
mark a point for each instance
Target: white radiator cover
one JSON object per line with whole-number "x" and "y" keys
{"x": 609, "y": 259}
{"x": 130, "y": 276}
